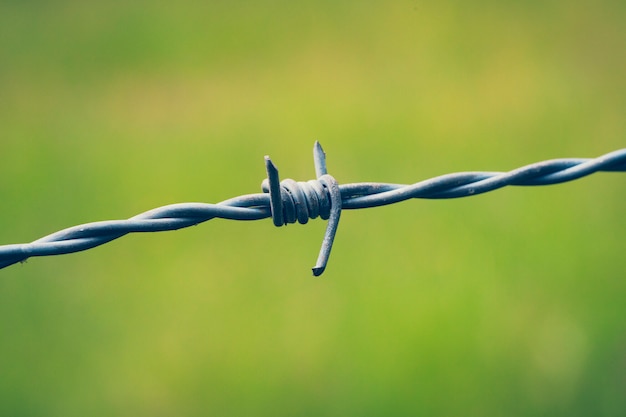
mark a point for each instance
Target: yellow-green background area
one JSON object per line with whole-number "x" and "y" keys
{"x": 510, "y": 303}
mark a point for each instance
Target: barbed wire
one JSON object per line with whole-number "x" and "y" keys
{"x": 289, "y": 201}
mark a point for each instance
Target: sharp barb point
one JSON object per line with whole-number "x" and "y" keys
{"x": 318, "y": 270}
{"x": 276, "y": 201}
{"x": 319, "y": 158}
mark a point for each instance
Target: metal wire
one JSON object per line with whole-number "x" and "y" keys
{"x": 290, "y": 201}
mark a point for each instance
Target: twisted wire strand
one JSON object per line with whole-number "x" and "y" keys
{"x": 466, "y": 184}
{"x": 290, "y": 201}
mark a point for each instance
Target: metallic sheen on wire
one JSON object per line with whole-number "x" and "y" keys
{"x": 290, "y": 201}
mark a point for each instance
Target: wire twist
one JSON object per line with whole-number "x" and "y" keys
{"x": 290, "y": 201}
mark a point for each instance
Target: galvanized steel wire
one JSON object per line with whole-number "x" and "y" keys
{"x": 289, "y": 201}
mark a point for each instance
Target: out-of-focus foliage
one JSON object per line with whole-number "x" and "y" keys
{"x": 506, "y": 304}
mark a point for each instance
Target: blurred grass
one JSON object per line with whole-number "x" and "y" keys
{"x": 509, "y": 303}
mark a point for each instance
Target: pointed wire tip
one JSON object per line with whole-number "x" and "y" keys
{"x": 269, "y": 166}
{"x": 319, "y": 160}
{"x": 318, "y": 270}
{"x": 272, "y": 185}
{"x": 317, "y": 148}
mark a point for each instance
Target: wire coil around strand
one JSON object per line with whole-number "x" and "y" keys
{"x": 301, "y": 201}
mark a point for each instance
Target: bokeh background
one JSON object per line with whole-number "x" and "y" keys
{"x": 509, "y": 303}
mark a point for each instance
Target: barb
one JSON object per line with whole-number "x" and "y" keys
{"x": 289, "y": 201}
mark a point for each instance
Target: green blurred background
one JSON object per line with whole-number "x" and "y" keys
{"x": 506, "y": 304}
